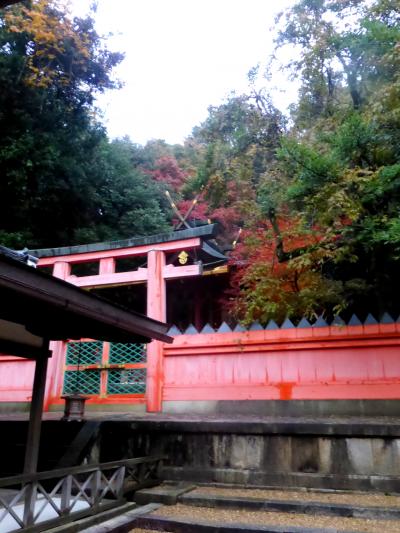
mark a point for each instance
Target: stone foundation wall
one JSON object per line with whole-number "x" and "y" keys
{"x": 345, "y": 455}
{"x": 330, "y": 453}
{"x": 286, "y": 408}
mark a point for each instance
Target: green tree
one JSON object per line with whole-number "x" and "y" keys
{"x": 126, "y": 201}
{"x": 326, "y": 237}
{"x": 237, "y": 141}
{"x": 50, "y": 69}
{"x": 337, "y": 170}
{"x": 61, "y": 181}
{"x": 341, "y": 45}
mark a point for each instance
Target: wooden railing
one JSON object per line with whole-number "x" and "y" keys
{"x": 35, "y": 502}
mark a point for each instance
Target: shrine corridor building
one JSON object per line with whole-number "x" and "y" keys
{"x": 211, "y": 366}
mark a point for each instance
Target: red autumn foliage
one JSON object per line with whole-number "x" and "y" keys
{"x": 230, "y": 220}
{"x": 260, "y": 244}
{"x": 257, "y": 270}
{"x": 199, "y": 212}
{"x": 168, "y": 171}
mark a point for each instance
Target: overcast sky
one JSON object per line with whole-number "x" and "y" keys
{"x": 180, "y": 57}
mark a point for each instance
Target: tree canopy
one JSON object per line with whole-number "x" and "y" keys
{"x": 314, "y": 195}
{"x": 62, "y": 181}
{"x": 330, "y": 201}
{"x": 317, "y": 196}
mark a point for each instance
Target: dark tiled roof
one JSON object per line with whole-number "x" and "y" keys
{"x": 22, "y": 255}
{"x": 207, "y": 232}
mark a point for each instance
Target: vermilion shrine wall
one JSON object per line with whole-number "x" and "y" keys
{"x": 314, "y": 363}
{"x": 16, "y": 379}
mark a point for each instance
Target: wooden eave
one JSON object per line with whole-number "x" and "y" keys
{"x": 52, "y": 309}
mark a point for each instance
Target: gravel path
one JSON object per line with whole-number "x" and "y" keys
{"x": 281, "y": 519}
{"x": 356, "y": 498}
{"x": 287, "y": 519}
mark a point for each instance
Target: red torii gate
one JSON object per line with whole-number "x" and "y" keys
{"x": 155, "y": 275}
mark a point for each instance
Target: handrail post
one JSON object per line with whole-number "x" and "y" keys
{"x": 120, "y": 482}
{"x": 30, "y": 503}
{"x": 35, "y": 414}
{"x": 159, "y": 467}
{"x": 96, "y": 487}
{"x": 66, "y": 495}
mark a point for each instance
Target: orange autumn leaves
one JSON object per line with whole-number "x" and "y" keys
{"x": 264, "y": 287}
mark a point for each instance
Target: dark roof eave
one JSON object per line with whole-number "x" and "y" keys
{"x": 213, "y": 251}
{"x": 208, "y": 231}
{"x": 22, "y": 350}
{"x": 62, "y": 296}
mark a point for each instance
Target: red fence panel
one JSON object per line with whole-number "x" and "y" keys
{"x": 334, "y": 362}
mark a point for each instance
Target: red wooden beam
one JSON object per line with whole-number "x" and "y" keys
{"x": 116, "y": 253}
{"x": 137, "y": 276}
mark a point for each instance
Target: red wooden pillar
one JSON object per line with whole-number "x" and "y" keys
{"x": 107, "y": 265}
{"x": 157, "y": 309}
{"x": 62, "y": 270}
{"x": 105, "y": 359}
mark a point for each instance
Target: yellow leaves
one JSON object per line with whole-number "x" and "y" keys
{"x": 341, "y": 199}
{"x": 51, "y": 31}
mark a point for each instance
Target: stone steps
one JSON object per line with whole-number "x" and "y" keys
{"x": 176, "y": 525}
{"x": 304, "y": 507}
{"x": 292, "y": 511}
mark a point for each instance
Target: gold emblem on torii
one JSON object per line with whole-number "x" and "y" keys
{"x": 183, "y": 257}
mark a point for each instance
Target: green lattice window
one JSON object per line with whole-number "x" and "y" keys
{"x": 121, "y": 352}
{"x": 85, "y": 382}
{"x": 128, "y": 381}
{"x": 84, "y": 353}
